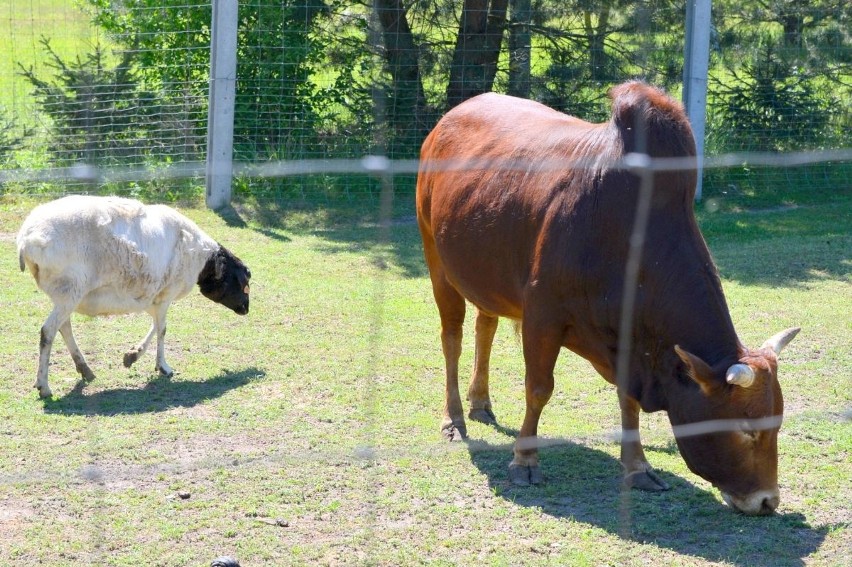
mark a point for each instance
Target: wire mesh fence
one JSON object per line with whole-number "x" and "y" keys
{"x": 111, "y": 98}
{"x": 125, "y": 85}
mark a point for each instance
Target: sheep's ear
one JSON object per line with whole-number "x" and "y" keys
{"x": 219, "y": 265}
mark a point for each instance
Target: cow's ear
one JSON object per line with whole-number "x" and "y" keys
{"x": 699, "y": 371}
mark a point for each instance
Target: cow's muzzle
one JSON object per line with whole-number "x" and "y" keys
{"x": 760, "y": 503}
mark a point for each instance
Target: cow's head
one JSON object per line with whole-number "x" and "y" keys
{"x": 225, "y": 279}
{"x": 727, "y": 429}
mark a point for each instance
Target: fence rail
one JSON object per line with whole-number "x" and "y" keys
{"x": 327, "y": 81}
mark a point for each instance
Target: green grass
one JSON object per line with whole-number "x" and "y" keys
{"x": 321, "y": 409}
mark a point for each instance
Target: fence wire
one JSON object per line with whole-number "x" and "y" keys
{"x": 321, "y": 115}
{"x": 110, "y": 85}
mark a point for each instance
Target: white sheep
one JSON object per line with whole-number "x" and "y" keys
{"x": 109, "y": 255}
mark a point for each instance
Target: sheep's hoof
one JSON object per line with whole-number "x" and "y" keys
{"x": 225, "y": 561}
{"x": 165, "y": 370}
{"x": 43, "y": 392}
{"x": 130, "y": 358}
{"x": 86, "y": 372}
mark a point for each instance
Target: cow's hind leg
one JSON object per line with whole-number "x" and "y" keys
{"x": 637, "y": 472}
{"x": 451, "y": 307}
{"x": 477, "y": 392}
{"x": 79, "y": 360}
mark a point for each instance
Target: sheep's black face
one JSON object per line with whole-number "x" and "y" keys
{"x": 225, "y": 279}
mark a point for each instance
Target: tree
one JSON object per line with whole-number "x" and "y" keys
{"x": 477, "y": 49}
{"x": 407, "y": 100}
{"x": 767, "y": 95}
{"x": 97, "y": 114}
{"x": 275, "y": 105}
{"x": 520, "y": 47}
{"x": 795, "y": 17}
{"x": 787, "y": 73}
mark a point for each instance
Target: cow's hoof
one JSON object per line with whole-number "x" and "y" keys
{"x": 483, "y": 415}
{"x": 453, "y": 432}
{"x": 521, "y": 475}
{"x": 645, "y": 480}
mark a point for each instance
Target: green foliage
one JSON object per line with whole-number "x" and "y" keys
{"x": 768, "y": 95}
{"x": 276, "y": 105}
{"x": 780, "y": 83}
{"x": 317, "y": 79}
{"x": 93, "y": 108}
{"x": 11, "y": 136}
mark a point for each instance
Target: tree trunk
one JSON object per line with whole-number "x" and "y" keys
{"x": 793, "y": 24}
{"x": 595, "y": 36}
{"x": 407, "y": 109}
{"x": 477, "y": 49}
{"x": 520, "y": 48}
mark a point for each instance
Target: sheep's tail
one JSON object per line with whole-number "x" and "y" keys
{"x": 21, "y": 262}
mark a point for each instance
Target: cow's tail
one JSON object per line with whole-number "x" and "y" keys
{"x": 425, "y": 180}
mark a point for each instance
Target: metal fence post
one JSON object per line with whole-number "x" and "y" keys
{"x": 220, "y": 113}
{"x": 696, "y": 58}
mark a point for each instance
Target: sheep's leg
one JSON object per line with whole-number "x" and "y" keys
{"x": 79, "y": 359}
{"x": 159, "y": 315}
{"x": 133, "y": 354}
{"x": 54, "y": 322}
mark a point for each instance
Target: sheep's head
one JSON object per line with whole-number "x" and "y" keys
{"x": 225, "y": 279}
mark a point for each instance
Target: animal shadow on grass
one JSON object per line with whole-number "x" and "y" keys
{"x": 234, "y": 219}
{"x": 344, "y": 226}
{"x": 584, "y": 485}
{"x": 160, "y": 394}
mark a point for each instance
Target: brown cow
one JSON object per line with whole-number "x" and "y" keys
{"x": 547, "y": 246}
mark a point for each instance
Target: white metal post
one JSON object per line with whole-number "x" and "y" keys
{"x": 220, "y": 113}
{"x": 696, "y": 59}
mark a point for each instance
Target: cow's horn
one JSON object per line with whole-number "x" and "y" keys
{"x": 782, "y": 339}
{"x": 740, "y": 375}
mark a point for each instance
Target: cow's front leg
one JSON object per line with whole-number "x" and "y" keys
{"x": 637, "y": 472}
{"x": 542, "y": 343}
{"x": 477, "y": 392}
